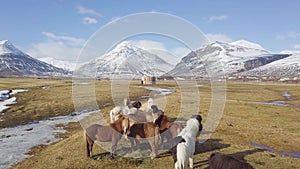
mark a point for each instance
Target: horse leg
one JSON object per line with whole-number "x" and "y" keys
{"x": 191, "y": 162}
{"x": 131, "y": 143}
{"x": 153, "y": 147}
{"x": 89, "y": 147}
{"x": 113, "y": 150}
{"x": 116, "y": 137}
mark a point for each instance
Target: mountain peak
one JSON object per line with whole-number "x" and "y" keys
{"x": 7, "y": 47}
{"x": 2, "y": 42}
{"x": 247, "y": 44}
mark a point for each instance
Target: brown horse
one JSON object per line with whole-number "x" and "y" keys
{"x": 112, "y": 133}
{"x": 168, "y": 129}
{"x": 149, "y": 131}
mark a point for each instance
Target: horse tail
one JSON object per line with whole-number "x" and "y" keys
{"x": 182, "y": 155}
{"x": 156, "y": 137}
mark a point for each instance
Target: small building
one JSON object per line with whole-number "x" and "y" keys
{"x": 148, "y": 80}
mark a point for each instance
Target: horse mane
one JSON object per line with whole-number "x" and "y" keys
{"x": 163, "y": 120}
{"x": 158, "y": 121}
{"x": 117, "y": 125}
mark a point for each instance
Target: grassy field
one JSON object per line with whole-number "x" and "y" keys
{"x": 243, "y": 121}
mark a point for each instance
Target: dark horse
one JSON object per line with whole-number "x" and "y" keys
{"x": 168, "y": 129}
{"x": 112, "y": 133}
{"x": 223, "y": 161}
{"x": 148, "y": 131}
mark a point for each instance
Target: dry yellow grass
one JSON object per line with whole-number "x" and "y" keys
{"x": 241, "y": 123}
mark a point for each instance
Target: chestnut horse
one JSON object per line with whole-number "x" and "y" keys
{"x": 112, "y": 133}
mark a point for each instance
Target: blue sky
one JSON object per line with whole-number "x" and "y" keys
{"x": 59, "y": 28}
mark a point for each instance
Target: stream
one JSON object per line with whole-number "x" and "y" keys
{"x": 282, "y": 153}
{"x": 275, "y": 103}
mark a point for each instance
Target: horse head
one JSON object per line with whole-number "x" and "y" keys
{"x": 137, "y": 104}
{"x": 199, "y": 119}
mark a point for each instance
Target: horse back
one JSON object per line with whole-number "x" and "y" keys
{"x": 101, "y": 133}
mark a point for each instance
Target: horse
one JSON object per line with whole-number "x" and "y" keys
{"x": 128, "y": 108}
{"x": 147, "y": 107}
{"x": 156, "y": 112}
{"x": 183, "y": 147}
{"x": 222, "y": 161}
{"x": 112, "y": 133}
{"x": 148, "y": 131}
{"x": 168, "y": 129}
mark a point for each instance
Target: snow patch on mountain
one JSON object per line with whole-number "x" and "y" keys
{"x": 247, "y": 44}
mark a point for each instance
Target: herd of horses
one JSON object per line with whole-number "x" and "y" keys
{"x": 138, "y": 122}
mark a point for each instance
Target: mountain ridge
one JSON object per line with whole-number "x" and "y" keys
{"x": 14, "y": 62}
{"x": 227, "y": 59}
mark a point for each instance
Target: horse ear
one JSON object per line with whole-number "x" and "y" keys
{"x": 126, "y": 101}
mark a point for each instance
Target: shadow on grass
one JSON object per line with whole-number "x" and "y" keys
{"x": 210, "y": 145}
{"x": 101, "y": 155}
{"x": 241, "y": 155}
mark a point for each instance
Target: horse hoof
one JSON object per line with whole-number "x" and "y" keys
{"x": 152, "y": 156}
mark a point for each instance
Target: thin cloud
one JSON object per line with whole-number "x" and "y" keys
{"x": 181, "y": 51}
{"x": 148, "y": 44}
{"x": 59, "y": 47}
{"x": 57, "y": 50}
{"x": 217, "y": 18}
{"x": 88, "y": 20}
{"x": 218, "y": 37}
{"x": 65, "y": 39}
{"x": 83, "y": 10}
{"x": 290, "y": 35}
{"x": 172, "y": 56}
{"x": 297, "y": 46}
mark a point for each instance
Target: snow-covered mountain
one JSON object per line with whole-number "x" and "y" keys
{"x": 288, "y": 67}
{"x": 126, "y": 61}
{"x": 228, "y": 58}
{"x": 13, "y": 62}
{"x": 66, "y": 65}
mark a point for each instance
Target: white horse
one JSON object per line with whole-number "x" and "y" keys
{"x": 184, "y": 151}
